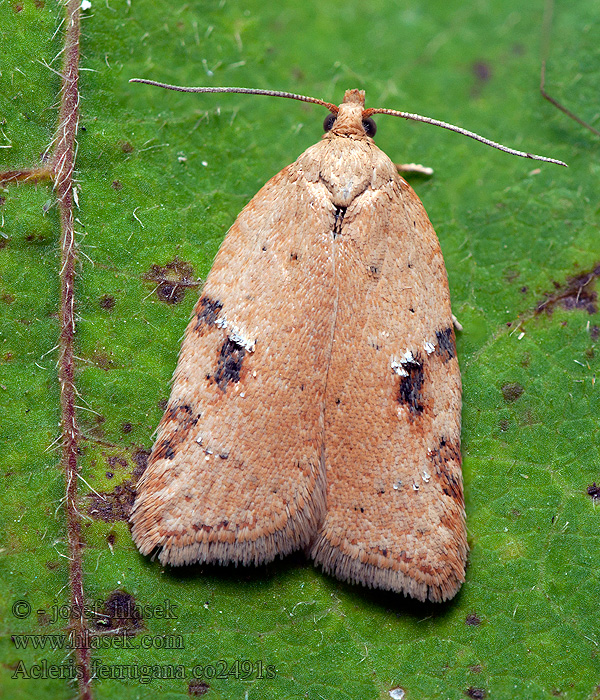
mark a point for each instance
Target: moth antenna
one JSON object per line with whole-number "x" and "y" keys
{"x": 367, "y": 113}
{"x": 246, "y": 91}
{"x": 464, "y": 132}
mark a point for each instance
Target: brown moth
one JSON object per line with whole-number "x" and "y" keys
{"x": 316, "y": 403}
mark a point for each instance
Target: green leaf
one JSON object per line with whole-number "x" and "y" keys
{"x": 161, "y": 178}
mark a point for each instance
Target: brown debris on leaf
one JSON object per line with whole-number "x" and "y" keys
{"x": 594, "y": 491}
{"x": 577, "y": 293}
{"x": 112, "y": 506}
{"x": 119, "y": 612}
{"x": 172, "y": 280}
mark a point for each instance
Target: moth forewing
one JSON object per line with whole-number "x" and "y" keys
{"x": 236, "y": 473}
{"x": 395, "y": 511}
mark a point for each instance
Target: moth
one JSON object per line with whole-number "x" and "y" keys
{"x": 316, "y": 403}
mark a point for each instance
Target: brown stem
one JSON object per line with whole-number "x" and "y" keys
{"x": 59, "y": 168}
{"x": 32, "y": 176}
{"x": 62, "y": 164}
{"x": 547, "y": 24}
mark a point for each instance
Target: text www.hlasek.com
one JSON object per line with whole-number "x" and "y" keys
{"x": 240, "y": 669}
{"x": 94, "y": 641}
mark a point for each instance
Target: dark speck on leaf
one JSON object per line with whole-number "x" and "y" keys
{"x": 197, "y": 688}
{"x": 511, "y": 392}
{"x": 172, "y": 280}
{"x": 594, "y": 491}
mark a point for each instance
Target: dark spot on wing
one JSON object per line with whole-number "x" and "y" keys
{"x": 163, "y": 450}
{"x": 177, "y": 421}
{"x": 339, "y": 218}
{"x": 229, "y": 364}
{"x": 207, "y": 311}
{"x": 446, "y": 459}
{"x": 410, "y": 388}
{"x": 182, "y": 414}
{"x": 446, "y": 347}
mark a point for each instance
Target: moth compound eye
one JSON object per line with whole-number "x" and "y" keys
{"x": 369, "y": 126}
{"x": 329, "y": 122}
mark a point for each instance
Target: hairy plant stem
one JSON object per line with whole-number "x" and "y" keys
{"x": 62, "y": 164}
{"x": 59, "y": 169}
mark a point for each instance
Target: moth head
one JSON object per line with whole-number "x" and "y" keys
{"x": 349, "y": 118}
{"x": 368, "y": 124}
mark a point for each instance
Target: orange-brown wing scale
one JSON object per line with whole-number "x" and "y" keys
{"x": 395, "y": 510}
{"x": 236, "y": 473}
